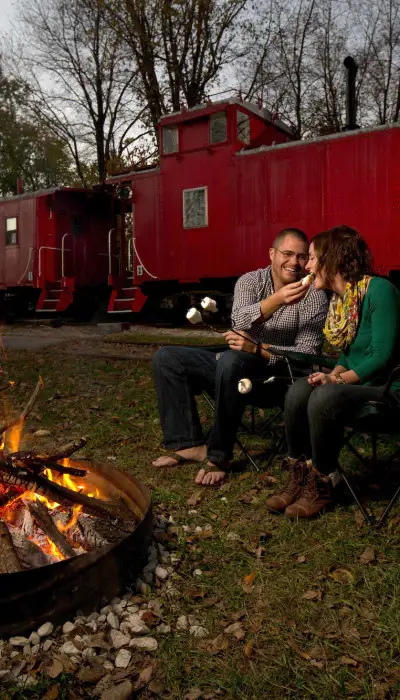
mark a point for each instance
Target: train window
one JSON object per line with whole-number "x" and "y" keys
{"x": 195, "y": 208}
{"x": 170, "y": 139}
{"x": 11, "y": 230}
{"x": 243, "y": 126}
{"x": 218, "y": 130}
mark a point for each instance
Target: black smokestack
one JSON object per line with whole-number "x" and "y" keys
{"x": 351, "y": 106}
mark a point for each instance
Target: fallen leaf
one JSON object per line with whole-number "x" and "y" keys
{"x": 156, "y": 687}
{"x": 236, "y": 629}
{"x": 368, "y": 556}
{"x": 301, "y": 559}
{"x": 52, "y": 693}
{"x": 194, "y": 499}
{"x": 341, "y": 575}
{"x": 248, "y": 648}
{"x": 55, "y": 669}
{"x": 215, "y": 646}
{"x": 313, "y": 595}
{"x": 248, "y": 582}
{"x": 359, "y": 518}
{"x": 348, "y": 661}
{"x": 193, "y": 694}
{"x": 146, "y": 674}
{"x": 246, "y": 475}
{"x": 86, "y": 674}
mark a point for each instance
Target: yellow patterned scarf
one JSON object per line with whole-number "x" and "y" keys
{"x": 343, "y": 317}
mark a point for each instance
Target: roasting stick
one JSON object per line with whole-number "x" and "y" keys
{"x": 43, "y": 518}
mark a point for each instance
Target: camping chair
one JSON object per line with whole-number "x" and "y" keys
{"x": 375, "y": 418}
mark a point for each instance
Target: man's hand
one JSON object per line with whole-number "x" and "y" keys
{"x": 291, "y": 293}
{"x": 240, "y": 342}
{"x": 319, "y": 378}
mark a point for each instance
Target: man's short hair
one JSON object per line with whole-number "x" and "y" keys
{"x": 290, "y": 232}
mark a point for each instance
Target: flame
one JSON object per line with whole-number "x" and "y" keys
{"x": 13, "y": 437}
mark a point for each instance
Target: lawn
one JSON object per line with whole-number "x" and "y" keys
{"x": 311, "y": 619}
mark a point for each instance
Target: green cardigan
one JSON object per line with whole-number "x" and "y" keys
{"x": 376, "y": 348}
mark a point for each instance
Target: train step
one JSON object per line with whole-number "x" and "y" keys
{"x": 126, "y": 300}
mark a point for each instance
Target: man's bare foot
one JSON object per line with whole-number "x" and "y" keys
{"x": 189, "y": 454}
{"x": 210, "y": 478}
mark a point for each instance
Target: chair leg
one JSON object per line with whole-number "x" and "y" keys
{"x": 388, "y": 508}
{"x": 369, "y": 519}
{"x": 374, "y": 449}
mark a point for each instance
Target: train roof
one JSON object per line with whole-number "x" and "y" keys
{"x": 41, "y": 193}
{"x": 206, "y": 108}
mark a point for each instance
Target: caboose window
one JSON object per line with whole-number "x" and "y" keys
{"x": 11, "y": 230}
{"x": 170, "y": 139}
{"x": 195, "y": 208}
{"x": 243, "y": 126}
{"x": 218, "y": 127}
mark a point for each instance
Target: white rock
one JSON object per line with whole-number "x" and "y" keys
{"x": 123, "y": 658}
{"x": 140, "y": 628}
{"x": 144, "y": 644}
{"x": 105, "y": 610}
{"x": 133, "y": 618}
{"x": 163, "y": 629}
{"x": 224, "y": 499}
{"x": 198, "y": 529}
{"x": 197, "y": 572}
{"x": 192, "y": 620}
{"x": 116, "y": 601}
{"x": 186, "y": 528}
{"x": 118, "y": 639}
{"x": 182, "y": 623}
{"x": 161, "y": 573}
{"x": 27, "y": 680}
{"x": 69, "y": 648}
{"x": 108, "y": 665}
{"x": 35, "y": 650}
{"x": 101, "y": 619}
{"x": 14, "y": 653}
{"x": 89, "y": 653}
{"x": 34, "y": 638}
{"x": 175, "y": 558}
{"x": 207, "y": 528}
{"x": 198, "y": 631}
{"x": 27, "y": 650}
{"x": 132, "y": 609}
{"x": 112, "y": 620}
{"x": 18, "y": 641}
{"x": 93, "y": 617}
{"x": 42, "y": 433}
{"x": 92, "y": 625}
{"x": 47, "y": 644}
{"x": 192, "y": 512}
{"x": 46, "y": 629}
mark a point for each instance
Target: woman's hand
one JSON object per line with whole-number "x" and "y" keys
{"x": 240, "y": 342}
{"x": 319, "y": 378}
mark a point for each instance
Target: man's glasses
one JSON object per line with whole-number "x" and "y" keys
{"x": 287, "y": 254}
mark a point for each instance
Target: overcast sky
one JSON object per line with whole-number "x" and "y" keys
{"x": 5, "y": 14}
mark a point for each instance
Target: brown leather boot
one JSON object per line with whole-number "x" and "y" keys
{"x": 315, "y": 497}
{"x": 298, "y": 472}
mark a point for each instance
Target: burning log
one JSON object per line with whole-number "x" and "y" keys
{"x": 60, "y": 494}
{"x": 29, "y": 554}
{"x": 37, "y": 463}
{"x": 26, "y": 410}
{"x": 9, "y": 563}
{"x": 43, "y": 518}
{"x": 64, "y": 451}
{"x": 8, "y": 496}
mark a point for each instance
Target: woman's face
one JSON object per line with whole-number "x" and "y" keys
{"x": 319, "y": 277}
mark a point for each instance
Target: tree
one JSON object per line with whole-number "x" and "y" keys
{"x": 27, "y": 149}
{"x": 82, "y": 82}
{"x": 180, "y": 47}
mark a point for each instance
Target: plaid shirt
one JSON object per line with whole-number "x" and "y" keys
{"x": 292, "y": 327}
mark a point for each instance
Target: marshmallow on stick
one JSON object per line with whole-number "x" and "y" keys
{"x": 307, "y": 280}
{"x": 244, "y": 386}
{"x": 194, "y": 316}
{"x": 209, "y": 304}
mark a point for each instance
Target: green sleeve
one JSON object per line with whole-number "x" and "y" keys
{"x": 385, "y": 325}
{"x": 342, "y": 361}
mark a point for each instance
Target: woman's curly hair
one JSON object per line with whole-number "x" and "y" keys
{"x": 342, "y": 250}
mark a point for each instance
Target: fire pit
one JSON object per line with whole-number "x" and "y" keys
{"x": 71, "y": 532}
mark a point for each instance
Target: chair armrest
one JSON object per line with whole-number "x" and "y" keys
{"x": 395, "y": 374}
{"x": 303, "y": 359}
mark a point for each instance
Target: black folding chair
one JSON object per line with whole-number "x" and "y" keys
{"x": 375, "y": 418}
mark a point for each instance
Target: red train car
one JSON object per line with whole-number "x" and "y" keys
{"x": 54, "y": 250}
{"x": 230, "y": 176}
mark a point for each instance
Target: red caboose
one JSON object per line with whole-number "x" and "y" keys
{"x": 54, "y": 250}
{"x": 230, "y": 177}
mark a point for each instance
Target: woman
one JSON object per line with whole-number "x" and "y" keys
{"x": 363, "y": 322}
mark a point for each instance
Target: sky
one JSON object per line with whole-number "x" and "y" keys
{"x": 6, "y": 9}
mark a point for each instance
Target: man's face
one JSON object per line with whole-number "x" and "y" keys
{"x": 289, "y": 260}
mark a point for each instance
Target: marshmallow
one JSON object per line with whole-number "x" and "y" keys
{"x": 307, "y": 280}
{"x": 194, "y": 316}
{"x": 209, "y": 304}
{"x": 244, "y": 386}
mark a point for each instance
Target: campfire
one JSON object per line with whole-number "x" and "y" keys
{"x": 50, "y": 508}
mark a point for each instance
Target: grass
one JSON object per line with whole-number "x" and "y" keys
{"x": 344, "y": 643}
{"x": 136, "y": 338}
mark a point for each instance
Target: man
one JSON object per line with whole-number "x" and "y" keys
{"x": 270, "y": 307}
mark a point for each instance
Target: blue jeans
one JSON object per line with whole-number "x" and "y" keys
{"x": 181, "y": 373}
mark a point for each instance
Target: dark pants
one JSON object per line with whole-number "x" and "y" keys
{"x": 180, "y": 373}
{"x": 315, "y": 419}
